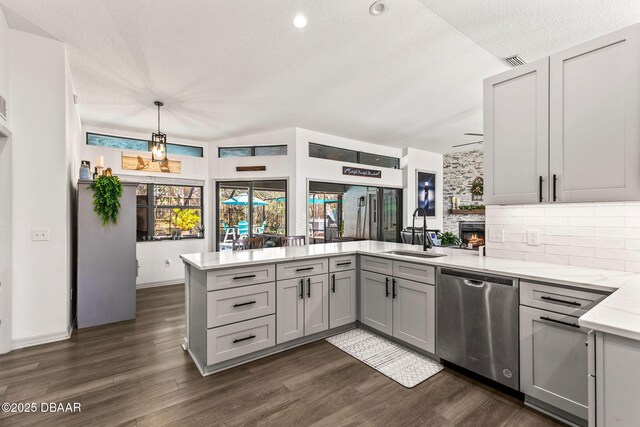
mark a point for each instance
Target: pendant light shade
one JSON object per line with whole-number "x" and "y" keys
{"x": 159, "y": 141}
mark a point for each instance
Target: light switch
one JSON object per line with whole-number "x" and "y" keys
{"x": 496, "y": 235}
{"x": 39, "y": 234}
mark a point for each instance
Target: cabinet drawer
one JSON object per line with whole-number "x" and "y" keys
{"x": 232, "y": 277}
{"x": 227, "y": 342}
{"x": 292, "y": 270}
{"x": 342, "y": 263}
{"x": 574, "y": 302}
{"x": 238, "y": 304}
{"x": 415, "y": 272}
{"x": 376, "y": 265}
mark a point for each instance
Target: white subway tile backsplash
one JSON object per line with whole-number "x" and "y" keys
{"x": 620, "y": 233}
{"x": 632, "y": 221}
{"x": 593, "y": 221}
{"x": 569, "y": 210}
{"x": 632, "y": 266}
{"x": 632, "y": 244}
{"x": 498, "y": 253}
{"x": 514, "y": 237}
{"x": 545, "y": 220}
{"x": 597, "y": 242}
{"x": 610, "y": 253}
{"x": 570, "y": 250}
{"x": 569, "y": 231}
{"x": 504, "y": 220}
{"x": 554, "y": 240}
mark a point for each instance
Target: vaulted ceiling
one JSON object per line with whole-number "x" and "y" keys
{"x": 410, "y": 77}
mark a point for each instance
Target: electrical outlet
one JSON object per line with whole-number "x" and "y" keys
{"x": 167, "y": 263}
{"x": 533, "y": 238}
{"x": 39, "y": 234}
{"x": 496, "y": 235}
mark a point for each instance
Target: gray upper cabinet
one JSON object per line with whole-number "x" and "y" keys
{"x": 376, "y": 305}
{"x": 342, "y": 301}
{"x": 516, "y": 135}
{"x": 414, "y": 316}
{"x": 595, "y": 119}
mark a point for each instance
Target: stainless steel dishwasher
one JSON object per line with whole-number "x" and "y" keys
{"x": 477, "y": 324}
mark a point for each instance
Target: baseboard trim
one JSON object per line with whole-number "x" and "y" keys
{"x": 39, "y": 339}
{"x": 158, "y": 284}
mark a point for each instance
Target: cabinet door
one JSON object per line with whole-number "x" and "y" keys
{"x": 414, "y": 319}
{"x": 375, "y": 301}
{"x": 342, "y": 301}
{"x": 595, "y": 119}
{"x": 316, "y": 304}
{"x": 289, "y": 310}
{"x": 554, "y": 360}
{"x": 516, "y": 135}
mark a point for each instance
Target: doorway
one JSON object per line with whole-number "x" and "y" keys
{"x": 344, "y": 212}
{"x": 5, "y": 240}
{"x": 249, "y": 209}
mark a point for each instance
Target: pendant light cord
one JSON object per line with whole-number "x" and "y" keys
{"x": 158, "y": 118}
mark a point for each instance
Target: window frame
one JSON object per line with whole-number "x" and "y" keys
{"x": 151, "y": 207}
{"x": 252, "y": 149}
{"x": 358, "y": 155}
{"x": 149, "y": 144}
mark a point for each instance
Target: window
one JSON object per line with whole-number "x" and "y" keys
{"x": 255, "y": 151}
{"x": 327, "y": 152}
{"x": 168, "y": 211}
{"x": 122, "y": 143}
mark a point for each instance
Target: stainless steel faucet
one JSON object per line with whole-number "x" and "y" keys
{"x": 427, "y": 243}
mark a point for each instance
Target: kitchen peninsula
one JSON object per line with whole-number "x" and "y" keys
{"x": 248, "y": 304}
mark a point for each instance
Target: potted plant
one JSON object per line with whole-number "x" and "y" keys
{"x": 185, "y": 220}
{"x": 106, "y": 198}
{"x": 448, "y": 239}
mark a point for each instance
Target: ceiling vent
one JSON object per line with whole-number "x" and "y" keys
{"x": 3, "y": 107}
{"x": 515, "y": 60}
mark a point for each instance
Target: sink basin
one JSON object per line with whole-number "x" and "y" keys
{"x": 415, "y": 254}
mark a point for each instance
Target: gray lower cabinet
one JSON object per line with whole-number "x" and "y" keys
{"x": 302, "y": 307}
{"x": 342, "y": 298}
{"x": 553, "y": 360}
{"x": 376, "y": 305}
{"x": 414, "y": 317}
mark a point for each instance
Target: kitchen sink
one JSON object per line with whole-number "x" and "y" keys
{"x": 415, "y": 254}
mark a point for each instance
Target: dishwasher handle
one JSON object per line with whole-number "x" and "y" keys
{"x": 474, "y": 283}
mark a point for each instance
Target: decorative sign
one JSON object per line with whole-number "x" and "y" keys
{"x": 145, "y": 164}
{"x": 367, "y": 173}
{"x": 250, "y": 168}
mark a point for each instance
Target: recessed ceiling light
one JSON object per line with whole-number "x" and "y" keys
{"x": 300, "y": 21}
{"x": 378, "y": 8}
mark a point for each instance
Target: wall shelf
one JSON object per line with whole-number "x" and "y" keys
{"x": 466, "y": 211}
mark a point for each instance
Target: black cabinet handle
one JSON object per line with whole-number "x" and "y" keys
{"x": 333, "y": 283}
{"x": 243, "y": 339}
{"x": 548, "y": 319}
{"x": 340, "y": 264}
{"x": 303, "y": 269}
{"x": 540, "y": 184}
{"x": 555, "y": 181}
{"x": 244, "y": 303}
{"x": 386, "y": 287}
{"x": 393, "y": 289}
{"x": 301, "y": 288}
{"x": 249, "y": 276}
{"x": 577, "y": 304}
{"x": 308, "y": 288}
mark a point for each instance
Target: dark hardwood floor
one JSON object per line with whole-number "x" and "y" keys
{"x": 135, "y": 373}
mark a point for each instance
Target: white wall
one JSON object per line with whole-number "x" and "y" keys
{"x": 412, "y": 161}
{"x": 40, "y": 198}
{"x": 598, "y": 235}
{"x": 152, "y": 256}
{"x": 4, "y": 64}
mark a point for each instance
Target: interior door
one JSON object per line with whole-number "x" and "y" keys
{"x": 376, "y": 304}
{"x": 595, "y": 119}
{"x": 414, "y": 318}
{"x": 289, "y": 310}
{"x": 316, "y": 304}
{"x": 516, "y": 135}
{"x": 342, "y": 301}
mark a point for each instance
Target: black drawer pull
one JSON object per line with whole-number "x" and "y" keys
{"x": 248, "y": 276}
{"x": 548, "y": 319}
{"x": 540, "y": 183}
{"x": 386, "y": 287}
{"x": 577, "y": 304}
{"x": 308, "y": 288}
{"x": 393, "y": 289}
{"x": 243, "y": 339}
{"x": 301, "y": 288}
{"x": 333, "y": 283}
{"x": 340, "y": 264}
{"x": 303, "y": 269}
{"x": 244, "y": 303}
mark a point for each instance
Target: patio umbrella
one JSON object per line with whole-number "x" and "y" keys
{"x": 243, "y": 200}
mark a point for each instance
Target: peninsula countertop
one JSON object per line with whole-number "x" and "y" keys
{"x": 619, "y": 313}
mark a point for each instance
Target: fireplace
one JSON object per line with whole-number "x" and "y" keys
{"x": 472, "y": 232}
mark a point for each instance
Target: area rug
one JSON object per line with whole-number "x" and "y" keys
{"x": 399, "y": 363}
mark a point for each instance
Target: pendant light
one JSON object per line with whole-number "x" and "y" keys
{"x": 159, "y": 141}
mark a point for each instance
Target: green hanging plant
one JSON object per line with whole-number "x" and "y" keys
{"x": 106, "y": 198}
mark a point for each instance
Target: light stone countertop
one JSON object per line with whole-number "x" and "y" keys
{"x": 618, "y": 314}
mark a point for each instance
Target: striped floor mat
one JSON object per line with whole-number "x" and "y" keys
{"x": 402, "y": 365}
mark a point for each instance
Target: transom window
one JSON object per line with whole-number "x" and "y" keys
{"x": 328, "y": 152}
{"x": 134, "y": 144}
{"x": 254, "y": 151}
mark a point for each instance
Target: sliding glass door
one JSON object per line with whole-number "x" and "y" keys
{"x": 249, "y": 209}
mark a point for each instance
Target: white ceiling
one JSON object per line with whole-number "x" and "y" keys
{"x": 411, "y": 77}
